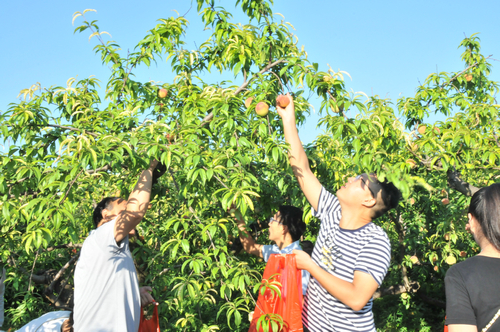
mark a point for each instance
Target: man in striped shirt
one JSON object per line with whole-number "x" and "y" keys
{"x": 351, "y": 255}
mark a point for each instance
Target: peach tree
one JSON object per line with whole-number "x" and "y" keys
{"x": 74, "y": 144}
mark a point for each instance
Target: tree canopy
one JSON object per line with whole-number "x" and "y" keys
{"x": 72, "y": 146}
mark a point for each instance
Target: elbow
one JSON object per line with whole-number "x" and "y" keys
{"x": 357, "y": 305}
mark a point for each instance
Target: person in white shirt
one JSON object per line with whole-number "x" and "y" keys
{"x": 53, "y": 321}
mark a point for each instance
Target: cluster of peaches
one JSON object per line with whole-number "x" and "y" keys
{"x": 262, "y": 108}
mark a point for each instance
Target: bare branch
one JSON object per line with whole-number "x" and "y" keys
{"x": 63, "y": 246}
{"x": 69, "y": 188}
{"x": 460, "y": 185}
{"x": 70, "y": 128}
{"x": 61, "y": 272}
{"x": 97, "y": 170}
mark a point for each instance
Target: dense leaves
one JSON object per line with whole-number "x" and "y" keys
{"x": 72, "y": 145}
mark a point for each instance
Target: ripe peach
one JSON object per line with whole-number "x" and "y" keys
{"x": 248, "y": 102}
{"x": 411, "y": 162}
{"x": 162, "y": 93}
{"x": 451, "y": 260}
{"x": 436, "y": 268}
{"x": 422, "y": 129}
{"x": 282, "y": 101}
{"x": 445, "y": 201}
{"x": 414, "y": 259}
{"x": 468, "y": 77}
{"x": 262, "y": 109}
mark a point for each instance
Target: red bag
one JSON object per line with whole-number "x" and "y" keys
{"x": 289, "y": 305}
{"x": 150, "y": 325}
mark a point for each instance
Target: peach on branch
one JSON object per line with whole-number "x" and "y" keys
{"x": 411, "y": 162}
{"x": 248, "y": 102}
{"x": 422, "y": 129}
{"x": 262, "y": 108}
{"x": 445, "y": 201}
{"x": 282, "y": 101}
{"x": 162, "y": 93}
{"x": 414, "y": 259}
{"x": 451, "y": 260}
{"x": 468, "y": 77}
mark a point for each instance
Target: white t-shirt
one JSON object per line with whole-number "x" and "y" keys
{"x": 50, "y": 322}
{"x": 106, "y": 286}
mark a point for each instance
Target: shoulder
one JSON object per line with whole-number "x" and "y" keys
{"x": 477, "y": 265}
{"x": 377, "y": 234}
{"x": 268, "y": 250}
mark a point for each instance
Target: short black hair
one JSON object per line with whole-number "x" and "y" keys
{"x": 485, "y": 208}
{"x": 291, "y": 217}
{"x": 390, "y": 197}
{"x": 104, "y": 204}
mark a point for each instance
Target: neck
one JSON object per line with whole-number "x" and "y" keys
{"x": 489, "y": 250}
{"x": 284, "y": 242}
{"x": 354, "y": 218}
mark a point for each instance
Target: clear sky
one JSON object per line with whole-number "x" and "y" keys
{"x": 386, "y": 46}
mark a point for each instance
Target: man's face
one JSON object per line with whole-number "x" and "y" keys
{"x": 359, "y": 189}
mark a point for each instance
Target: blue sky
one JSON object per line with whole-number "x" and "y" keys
{"x": 386, "y": 46}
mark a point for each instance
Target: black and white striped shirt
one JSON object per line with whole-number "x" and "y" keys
{"x": 341, "y": 252}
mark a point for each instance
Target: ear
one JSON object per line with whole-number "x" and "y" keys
{"x": 369, "y": 202}
{"x": 105, "y": 213}
{"x": 473, "y": 224}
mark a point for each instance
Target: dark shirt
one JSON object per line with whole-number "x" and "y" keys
{"x": 473, "y": 292}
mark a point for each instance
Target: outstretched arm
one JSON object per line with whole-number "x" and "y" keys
{"x": 137, "y": 204}
{"x": 246, "y": 239}
{"x": 298, "y": 159}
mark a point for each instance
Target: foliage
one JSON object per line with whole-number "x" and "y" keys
{"x": 71, "y": 146}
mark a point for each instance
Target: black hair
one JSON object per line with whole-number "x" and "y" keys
{"x": 291, "y": 217}
{"x": 390, "y": 196}
{"x": 104, "y": 204}
{"x": 485, "y": 208}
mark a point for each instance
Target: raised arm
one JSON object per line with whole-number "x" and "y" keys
{"x": 298, "y": 159}
{"x": 246, "y": 239}
{"x": 137, "y": 204}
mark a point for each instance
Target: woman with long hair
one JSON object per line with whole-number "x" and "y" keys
{"x": 473, "y": 286}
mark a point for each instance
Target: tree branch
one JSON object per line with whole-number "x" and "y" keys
{"x": 61, "y": 272}
{"x": 209, "y": 117}
{"x": 460, "y": 185}
{"x": 62, "y": 246}
{"x": 401, "y": 236}
{"x": 70, "y": 128}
